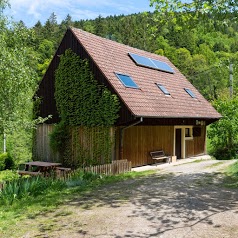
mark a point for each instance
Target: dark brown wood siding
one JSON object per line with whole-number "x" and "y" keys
{"x": 197, "y": 145}
{"x": 46, "y": 87}
{"x": 138, "y": 141}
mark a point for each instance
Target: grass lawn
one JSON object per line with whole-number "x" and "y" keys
{"x": 231, "y": 179}
{"x": 31, "y": 206}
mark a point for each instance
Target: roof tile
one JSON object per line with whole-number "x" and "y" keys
{"x": 148, "y": 101}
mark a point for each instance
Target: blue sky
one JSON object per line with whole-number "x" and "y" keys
{"x": 30, "y": 11}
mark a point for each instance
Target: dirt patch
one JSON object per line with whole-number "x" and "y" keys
{"x": 178, "y": 201}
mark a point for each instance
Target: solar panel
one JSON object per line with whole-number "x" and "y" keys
{"x": 127, "y": 80}
{"x": 190, "y": 92}
{"x": 151, "y": 63}
{"x": 143, "y": 61}
{"x": 163, "y": 66}
{"x": 163, "y": 89}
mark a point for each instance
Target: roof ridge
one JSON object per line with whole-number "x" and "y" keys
{"x": 119, "y": 43}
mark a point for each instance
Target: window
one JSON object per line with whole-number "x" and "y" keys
{"x": 188, "y": 132}
{"x": 163, "y": 89}
{"x": 127, "y": 80}
{"x": 190, "y": 92}
{"x": 151, "y": 63}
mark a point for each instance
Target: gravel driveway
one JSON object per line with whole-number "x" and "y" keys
{"x": 181, "y": 200}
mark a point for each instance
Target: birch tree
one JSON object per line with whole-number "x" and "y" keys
{"x": 17, "y": 78}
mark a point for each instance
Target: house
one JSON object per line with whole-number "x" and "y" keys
{"x": 160, "y": 108}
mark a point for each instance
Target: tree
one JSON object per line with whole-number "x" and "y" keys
{"x": 3, "y": 5}
{"x": 51, "y": 29}
{"x": 66, "y": 23}
{"x": 224, "y": 133}
{"x": 17, "y": 78}
{"x": 196, "y": 10}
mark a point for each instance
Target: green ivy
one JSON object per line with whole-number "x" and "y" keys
{"x": 80, "y": 99}
{"x": 82, "y": 103}
{"x": 59, "y": 136}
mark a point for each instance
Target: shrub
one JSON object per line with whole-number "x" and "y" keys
{"x": 224, "y": 153}
{"x": 8, "y": 175}
{"x": 223, "y": 134}
{"x": 6, "y": 161}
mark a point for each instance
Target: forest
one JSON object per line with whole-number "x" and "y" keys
{"x": 203, "y": 46}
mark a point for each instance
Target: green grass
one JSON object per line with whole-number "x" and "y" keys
{"x": 191, "y": 162}
{"x": 232, "y": 170}
{"x": 214, "y": 165}
{"x": 48, "y": 201}
{"x": 231, "y": 179}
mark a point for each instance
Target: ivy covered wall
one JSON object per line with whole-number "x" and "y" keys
{"x": 87, "y": 111}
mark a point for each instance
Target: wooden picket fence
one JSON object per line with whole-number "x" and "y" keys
{"x": 116, "y": 167}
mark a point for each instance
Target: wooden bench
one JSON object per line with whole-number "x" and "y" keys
{"x": 31, "y": 173}
{"x": 160, "y": 155}
{"x": 62, "y": 171}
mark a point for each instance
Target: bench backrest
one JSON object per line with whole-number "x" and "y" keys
{"x": 158, "y": 153}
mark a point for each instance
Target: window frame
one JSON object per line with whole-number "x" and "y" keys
{"x": 189, "y": 135}
{"x": 163, "y": 89}
{"x": 126, "y": 85}
{"x": 190, "y": 92}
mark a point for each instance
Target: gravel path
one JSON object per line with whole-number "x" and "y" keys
{"x": 181, "y": 200}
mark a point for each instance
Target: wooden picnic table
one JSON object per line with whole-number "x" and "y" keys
{"x": 43, "y": 167}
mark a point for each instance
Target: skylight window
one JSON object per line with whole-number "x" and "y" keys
{"x": 163, "y": 89}
{"x": 151, "y": 63}
{"x": 127, "y": 80}
{"x": 190, "y": 92}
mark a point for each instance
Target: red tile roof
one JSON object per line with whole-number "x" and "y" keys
{"x": 147, "y": 101}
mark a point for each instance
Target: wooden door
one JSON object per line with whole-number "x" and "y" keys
{"x": 178, "y": 143}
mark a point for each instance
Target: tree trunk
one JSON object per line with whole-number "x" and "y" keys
{"x": 4, "y": 143}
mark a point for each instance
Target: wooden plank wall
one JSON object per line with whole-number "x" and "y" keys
{"x": 197, "y": 145}
{"x": 140, "y": 140}
{"x": 41, "y": 148}
{"x": 81, "y": 139}
{"x": 79, "y": 136}
{"x": 116, "y": 167}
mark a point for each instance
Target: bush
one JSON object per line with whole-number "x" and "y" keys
{"x": 6, "y": 162}
{"x": 223, "y": 134}
{"x": 224, "y": 153}
{"x": 8, "y": 175}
